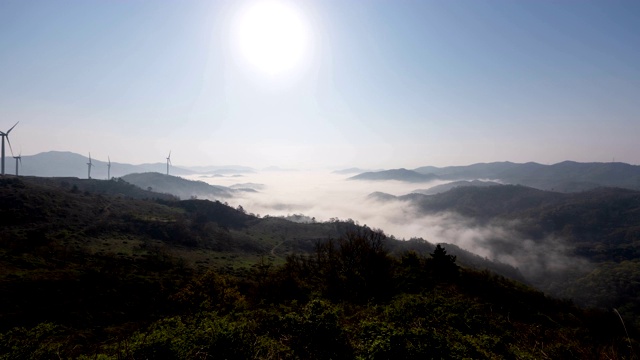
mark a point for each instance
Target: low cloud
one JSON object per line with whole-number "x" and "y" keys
{"x": 538, "y": 259}
{"x": 326, "y": 196}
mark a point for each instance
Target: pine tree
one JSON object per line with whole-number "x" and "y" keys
{"x": 442, "y": 263}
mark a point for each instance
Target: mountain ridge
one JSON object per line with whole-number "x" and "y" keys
{"x": 57, "y": 163}
{"x": 401, "y": 174}
{"x": 70, "y": 164}
{"x": 182, "y": 188}
{"x": 566, "y": 176}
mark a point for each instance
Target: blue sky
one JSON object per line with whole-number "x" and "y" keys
{"x": 384, "y": 84}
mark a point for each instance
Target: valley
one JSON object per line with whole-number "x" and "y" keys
{"x": 108, "y": 247}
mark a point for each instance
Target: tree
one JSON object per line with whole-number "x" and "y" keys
{"x": 357, "y": 267}
{"x": 443, "y": 264}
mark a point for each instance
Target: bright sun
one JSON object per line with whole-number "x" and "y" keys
{"x": 272, "y": 36}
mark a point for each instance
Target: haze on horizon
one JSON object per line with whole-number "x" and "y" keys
{"x": 373, "y": 84}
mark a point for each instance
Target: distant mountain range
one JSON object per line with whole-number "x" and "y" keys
{"x": 68, "y": 164}
{"x": 567, "y": 176}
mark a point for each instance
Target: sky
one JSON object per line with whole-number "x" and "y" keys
{"x": 323, "y": 84}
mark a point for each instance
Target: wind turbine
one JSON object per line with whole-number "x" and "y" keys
{"x": 89, "y": 164}
{"x": 168, "y": 161}
{"x": 18, "y": 158}
{"x": 6, "y": 135}
{"x": 109, "y": 169}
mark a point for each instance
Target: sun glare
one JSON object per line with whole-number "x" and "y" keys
{"x": 272, "y": 36}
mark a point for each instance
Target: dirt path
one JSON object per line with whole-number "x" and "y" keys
{"x": 273, "y": 249}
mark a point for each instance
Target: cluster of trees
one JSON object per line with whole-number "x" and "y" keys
{"x": 348, "y": 299}
{"x": 356, "y": 268}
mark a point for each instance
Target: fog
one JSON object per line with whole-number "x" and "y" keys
{"x": 325, "y": 196}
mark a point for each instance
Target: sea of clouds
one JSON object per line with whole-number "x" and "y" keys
{"x": 325, "y": 196}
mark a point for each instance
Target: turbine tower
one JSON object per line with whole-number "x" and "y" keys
{"x": 89, "y": 165}
{"x": 18, "y": 158}
{"x": 168, "y": 161}
{"x": 109, "y": 169}
{"x": 6, "y": 135}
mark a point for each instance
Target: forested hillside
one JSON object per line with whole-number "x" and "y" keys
{"x": 93, "y": 269}
{"x": 587, "y": 241}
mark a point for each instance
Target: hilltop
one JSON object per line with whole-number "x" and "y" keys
{"x": 396, "y": 174}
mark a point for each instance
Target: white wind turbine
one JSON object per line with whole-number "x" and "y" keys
{"x": 168, "y": 161}
{"x": 6, "y": 135}
{"x": 18, "y": 158}
{"x": 89, "y": 165}
{"x": 109, "y": 168}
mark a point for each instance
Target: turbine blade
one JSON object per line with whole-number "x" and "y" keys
{"x": 12, "y": 128}
{"x": 9, "y": 141}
